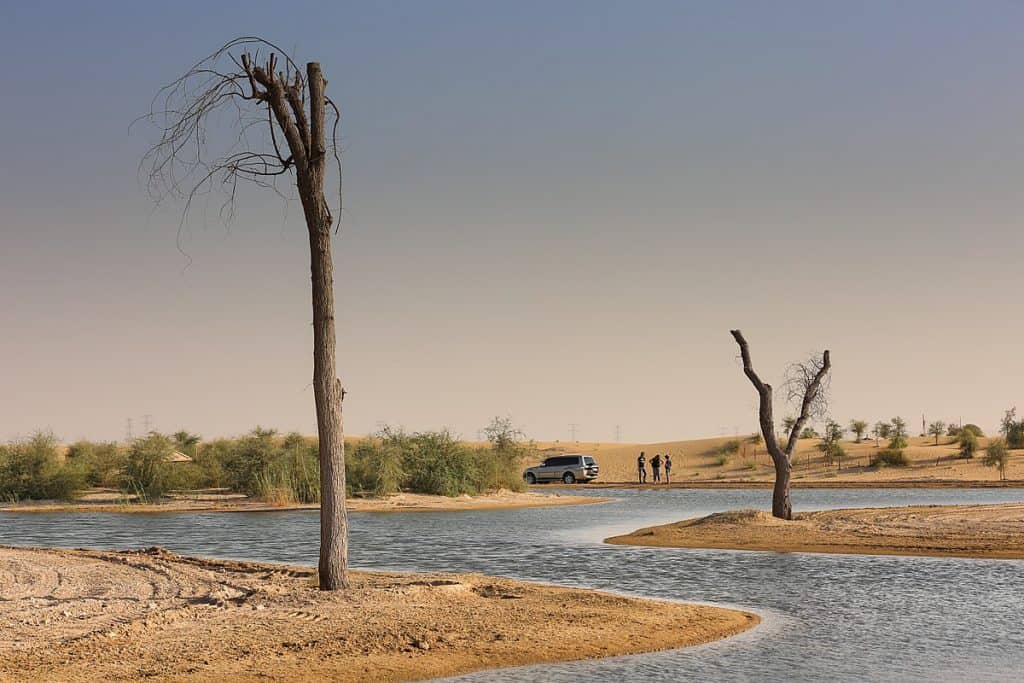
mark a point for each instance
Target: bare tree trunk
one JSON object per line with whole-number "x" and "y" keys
{"x": 328, "y": 394}
{"x": 781, "y": 505}
{"x": 333, "y": 569}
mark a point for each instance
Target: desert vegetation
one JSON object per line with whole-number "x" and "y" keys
{"x": 279, "y": 469}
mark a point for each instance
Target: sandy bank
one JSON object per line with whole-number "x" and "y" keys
{"x": 85, "y": 616}
{"x": 908, "y": 483}
{"x": 985, "y": 531}
{"x": 402, "y": 502}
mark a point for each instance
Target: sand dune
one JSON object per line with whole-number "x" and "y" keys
{"x": 697, "y": 460}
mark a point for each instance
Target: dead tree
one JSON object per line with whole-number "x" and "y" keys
{"x": 231, "y": 118}
{"x": 806, "y": 385}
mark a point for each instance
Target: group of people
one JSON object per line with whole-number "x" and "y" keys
{"x": 657, "y": 462}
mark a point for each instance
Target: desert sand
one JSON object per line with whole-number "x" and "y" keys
{"x": 984, "y": 531}
{"x": 698, "y": 462}
{"x": 230, "y": 502}
{"x": 73, "y": 615}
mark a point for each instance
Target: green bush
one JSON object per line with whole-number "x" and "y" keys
{"x": 436, "y": 463}
{"x": 997, "y": 455}
{"x": 33, "y": 470}
{"x": 968, "y": 442}
{"x": 1015, "y": 435}
{"x": 890, "y": 457}
{"x": 147, "y": 472}
{"x": 102, "y": 463}
{"x": 246, "y": 460}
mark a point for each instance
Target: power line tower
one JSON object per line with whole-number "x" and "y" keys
{"x": 572, "y": 432}
{"x": 147, "y": 421}
{"x": 128, "y": 431}
{"x": 618, "y": 432}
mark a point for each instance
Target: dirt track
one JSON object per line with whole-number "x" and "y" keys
{"x": 86, "y": 616}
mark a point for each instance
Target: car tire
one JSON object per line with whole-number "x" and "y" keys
{"x": 531, "y": 478}
{"x": 569, "y": 478}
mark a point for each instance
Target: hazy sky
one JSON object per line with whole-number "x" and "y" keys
{"x": 555, "y": 211}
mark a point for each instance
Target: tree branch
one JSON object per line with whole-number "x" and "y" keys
{"x": 764, "y": 392}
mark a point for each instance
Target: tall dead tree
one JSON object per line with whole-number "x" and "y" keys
{"x": 234, "y": 117}
{"x": 806, "y": 385}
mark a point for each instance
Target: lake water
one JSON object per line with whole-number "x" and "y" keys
{"x": 834, "y": 617}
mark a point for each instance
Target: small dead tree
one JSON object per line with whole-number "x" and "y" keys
{"x": 233, "y": 118}
{"x": 806, "y": 386}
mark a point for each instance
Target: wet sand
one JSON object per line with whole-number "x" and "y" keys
{"x": 85, "y": 616}
{"x": 980, "y": 531}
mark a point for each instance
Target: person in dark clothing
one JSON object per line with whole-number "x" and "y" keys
{"x": 668, "y": 468}
{"x": 641, "y": 468}
{"x": 656, "y": 467}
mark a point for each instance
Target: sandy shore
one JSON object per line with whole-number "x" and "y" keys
{"x": 402, "y": 502}
{"x": 84, "y": 616}
{"x": 908, "y": 483}
{"x": 984, "y": 531}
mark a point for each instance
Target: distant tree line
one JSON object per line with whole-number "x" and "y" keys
{"x": 263, "y": 464}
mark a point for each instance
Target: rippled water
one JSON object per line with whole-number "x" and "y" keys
{"x": 836, "y": 617}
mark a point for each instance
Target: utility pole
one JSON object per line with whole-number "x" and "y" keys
{"x": 572, "y": 431}
{"x": 128, "y": 431}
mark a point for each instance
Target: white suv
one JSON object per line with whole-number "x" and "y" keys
{"x": 566, "y": 468}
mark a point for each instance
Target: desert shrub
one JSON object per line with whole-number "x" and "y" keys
{"x": 722, "y": 460}
{"x": 730, "y": 447}
{"x": 279, "y": 471}
{"x": 32, "y": 470}
{"x": 247, "y": 459}
{"x": 439, "y": 464}
{"x": 997, "y": 455}
{"x": 809, "y": 433}
{"x": 1015, "y": 435}
{"x": 210, "y": 459}
{"x": 833, "y": 451}
{"x": 968, "y": 443}
{"x": 972, "y": 428}
{"x": 147, "y": 472}
{"x": 953, "y": 429}
{"x": 898, "y": 442}
{"x": 890, "y": 457}
{"x": 377, "y": 465}
{"x": 1012, "y": 429}
{"x": 101, "y": 463}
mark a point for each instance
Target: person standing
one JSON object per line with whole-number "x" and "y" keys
{"x": 641, "y": 468}
{"x": 656, "y": 467}
{"x": 668, "y": 468}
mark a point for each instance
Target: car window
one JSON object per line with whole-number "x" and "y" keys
{"x": 587, "y": 460}
{"x": 548, "y": 463}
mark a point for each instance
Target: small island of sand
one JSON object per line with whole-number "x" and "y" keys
{"x": 981, "y": 531}
{"x": 75, "y": 615}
